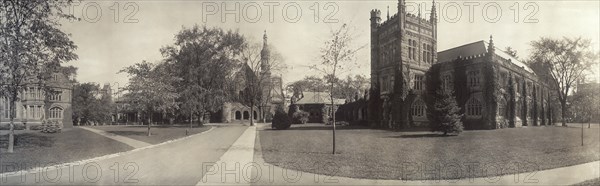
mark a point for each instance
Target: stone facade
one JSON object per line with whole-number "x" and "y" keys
{"x": 493, "y": 89}
{"x": 37, "y": 105}
{"x": 402, "y": 50}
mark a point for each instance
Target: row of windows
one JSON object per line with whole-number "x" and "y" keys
{"x": 473, "y": 108}
{"x": 426, "y": 48}
{"x": 29, "y": 111}
{"x": 418, "y": 82}
{"x": 38, "y": 93}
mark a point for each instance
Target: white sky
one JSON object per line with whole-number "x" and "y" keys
{"x": 106, "y": 46}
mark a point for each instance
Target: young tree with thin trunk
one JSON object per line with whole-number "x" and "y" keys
{"x": 337, "y": 54}
{"x": 564, "y": 61}
{"x": 31, "y": 48}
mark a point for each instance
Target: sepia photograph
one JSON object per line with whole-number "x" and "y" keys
{"x": 300, "y": 92}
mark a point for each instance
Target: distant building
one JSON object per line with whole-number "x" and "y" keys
{"x": 37, "y": 105}
{"x": 317, "y": 104}
{"x": 272, "y": 93}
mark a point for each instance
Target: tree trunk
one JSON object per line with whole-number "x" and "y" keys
{"x": 563, "y": 108}
{"x": 251, "y": 113}
{"x": 149, "y": 122}
{"x": 191, "y": 119}
{"x": 11, "y": 135}
{"x": 333, "y": 121}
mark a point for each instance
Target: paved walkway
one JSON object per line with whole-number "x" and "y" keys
{"x": 131, "y": 142}
{"x": 180, "y": 162}
{"x": 235, "y": 166}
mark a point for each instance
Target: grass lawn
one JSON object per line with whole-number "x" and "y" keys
{"x": 36, "y": 149}
{"x": 381, "y": 154}
{"x": 159, "y": 133}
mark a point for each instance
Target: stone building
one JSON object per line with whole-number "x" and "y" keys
{"x": 403, "y": 48}
{"x": 37, "y": 104}
{"x": 493, "y": 89}
{"x": 317, "y": 104}
{"x": 272, "y": 93}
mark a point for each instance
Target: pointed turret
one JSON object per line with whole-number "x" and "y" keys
{"x": 491, "y": 48}
{"x": 388, "y": 12}
{"x": 265, "y": 55}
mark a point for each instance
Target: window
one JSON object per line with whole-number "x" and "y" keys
{"x": 418, "y": 82}
{"x": 447, "y": 82}
{"x": 473, "y": 78}
{"x": 473, "y": 107}
{"x": 40, "y": 112}
{"x": 56, "y": 96}
{"x": 502, "y": 108}
{"x": 57, "y": 113}
{"x": 5, "y": 107}
{"x": 418, "y": 108}
{"x": 410, "y": 56}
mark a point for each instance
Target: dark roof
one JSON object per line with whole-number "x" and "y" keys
{"x": 477, "y": 48}
{"x": 318, "y": 98}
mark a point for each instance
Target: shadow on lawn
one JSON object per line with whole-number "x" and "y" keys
{"x": 324, "y": 127}
{"x": 28, "y": 140}
{"x": 430, "y": 135}
{"x": 128, "y": 133}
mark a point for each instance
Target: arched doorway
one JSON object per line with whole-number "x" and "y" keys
{"x": 246, "y": 115}
{"x": 255, "y": 115}
{"x": 238, "y": 115}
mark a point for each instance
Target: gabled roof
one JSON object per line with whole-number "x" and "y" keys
{"x": 318, "y": 98}
{"x": 477, "y": 48}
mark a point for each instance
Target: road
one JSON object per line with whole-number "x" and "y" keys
{"x": 177, "y": 163}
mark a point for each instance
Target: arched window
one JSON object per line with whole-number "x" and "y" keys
{"x": 473, "y": 107}
{"x": 246, "y": 115}
{"x": 418, "y": 108}
{"x": 56, "y": 113}
{"x": 502, "y": 108}
{"x": 238, "y": 115}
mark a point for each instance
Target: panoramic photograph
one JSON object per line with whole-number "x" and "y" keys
{"x": 306, "y": 92}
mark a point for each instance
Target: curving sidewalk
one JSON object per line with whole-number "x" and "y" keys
{"x": 559, "y": 176}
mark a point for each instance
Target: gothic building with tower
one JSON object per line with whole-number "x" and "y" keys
{"x": 50, "y": 102}
{"x": 493, "y": 89}
{"x": 271, "y": 93}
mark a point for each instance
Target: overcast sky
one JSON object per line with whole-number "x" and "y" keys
{"x": 111, "y": 41}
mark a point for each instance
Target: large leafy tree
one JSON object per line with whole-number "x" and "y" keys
{"x": 150, "y": 89}
{"x": 585, "y": 105}
{"x": 309, "y": 83}
{"x": 204, "y": 61}
{"x": 564, "y": 61}
{"x": 90, "y": 105}
{"x": 31, "y": 47}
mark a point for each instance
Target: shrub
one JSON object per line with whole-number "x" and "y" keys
{"x": 301, "y": 117}
{"x": 444, "y": 114}
{"x": 281, "y": 120}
